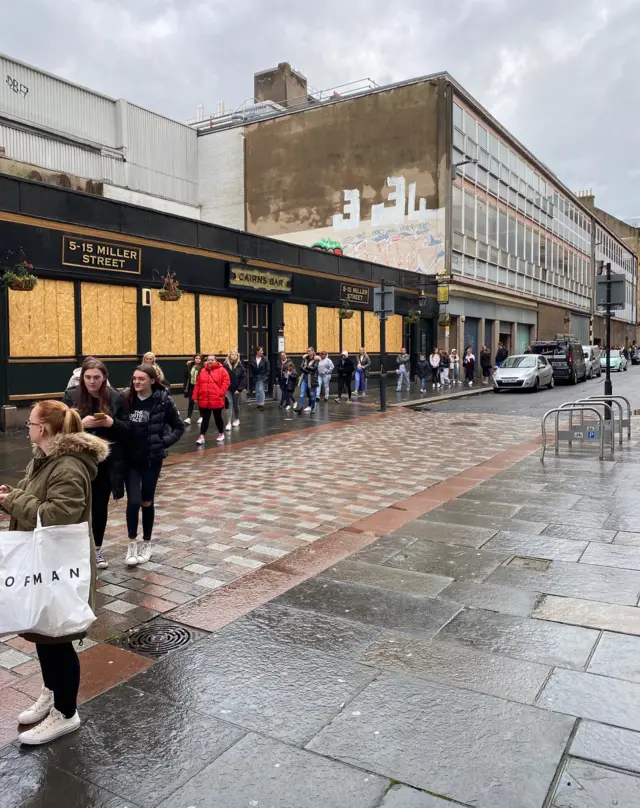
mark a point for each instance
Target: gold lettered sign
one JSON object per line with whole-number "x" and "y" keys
{"x": 262, "y": 279}
{"x": 90, "y": 253}
{"x": 355, "y": 294}
{"x": 443, "y": 294}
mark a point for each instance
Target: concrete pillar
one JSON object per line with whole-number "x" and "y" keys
{"x": 514, "y": 338}
{"x": 496, "y": 339}
{"x": 481, "y": 328}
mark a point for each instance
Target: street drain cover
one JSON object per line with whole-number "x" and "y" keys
{"x": 529, "y": 563}
{"x": 157, "y": 638}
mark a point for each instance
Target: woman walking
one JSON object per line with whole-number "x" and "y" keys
{"x": 363, "y": 363}
{"x": 485, "y": 364}
{"x": 103, "y": 414}
{"x": 57, "y": 486}
{"x": 434, "y": 361}
{"x": 454, "y": 363}
{"x": 345, "y": 373}
{"x": 309, "y": 373}
{"x": 237, "y": 385}
{"x": 194, "y": 366}
{"x": 155, "y": 426}
{"x": 422, "y": 368}
{"x": 260, "y": 373}
{"x": 210, "y": 393}
{"x": 325, "y": 369}
{"x": 282, "y": 381}
{"x": 469, "y": 365}
{"x": 445, "y": 364}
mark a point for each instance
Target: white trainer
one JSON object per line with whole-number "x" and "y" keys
{"x": 131, "y": 559}
{"x": 228, "y": 427}
{"x": 144, "y": 554}
{"x": 307, "y": 409}
{"x": 220, "y": 438}
{"x": 39, "y": 710}
{"x": 200, "y": 440}
{"x": 187, "y": 421}
{"x": 200, "y": 420}
{"x": 54, "y": 726}
{"x": 236, "y": 422}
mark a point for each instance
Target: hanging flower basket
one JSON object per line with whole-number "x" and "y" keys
{"x": 446, "y": 320}
{"x": 346, "y": 314}
{"x": 20, "y": 277}
{"x": 413, "y": 316}
{"x": 170, "y": 295}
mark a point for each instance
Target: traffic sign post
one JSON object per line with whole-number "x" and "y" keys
{"x": 383, "y": 307}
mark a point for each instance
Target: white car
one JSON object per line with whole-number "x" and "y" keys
{"x": 592, "y": 360}
{"x": 616, "y": 362}
{"x": 523, "y": 372}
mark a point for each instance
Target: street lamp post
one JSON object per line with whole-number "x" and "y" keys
{"x": 608, "y": 388}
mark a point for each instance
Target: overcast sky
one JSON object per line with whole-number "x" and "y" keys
{"x": 561, "y": 75}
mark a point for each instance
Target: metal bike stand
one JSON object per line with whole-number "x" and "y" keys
{"x": 557, "y": 411}
{"x": 590, "y": 426}
{"x": 626, "y": 422}
{"x": 608, "y": 403}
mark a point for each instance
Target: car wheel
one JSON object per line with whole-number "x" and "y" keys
{"x": 574, "y": 378}
{"x": 625, "y": 368}
{"x": 495, "y": 390}
{"x": 552, "y": 383}
{"x": 536, "y": 385}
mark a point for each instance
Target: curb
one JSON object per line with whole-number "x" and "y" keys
{"x": 462, "y": 394}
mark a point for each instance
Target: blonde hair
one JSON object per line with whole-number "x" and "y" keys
{"x": 58, "y": 418}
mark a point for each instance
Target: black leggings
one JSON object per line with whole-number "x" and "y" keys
{"x": 190, "y": 408}
{"x": 60, "y": 668}
{"x": 344, "y": 383}
{"x": 206, "y": 417}
{"x": 141, "y": 482}
{"x": 100, "y": 495}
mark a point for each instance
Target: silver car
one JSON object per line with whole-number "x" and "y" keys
{"x": 592, "y": 360}
{"x": 523, "y": 372}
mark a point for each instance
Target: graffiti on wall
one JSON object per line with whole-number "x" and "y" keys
{"x": 403, "y": 234}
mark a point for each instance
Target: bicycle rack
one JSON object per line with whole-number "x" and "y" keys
{"x": 610, "y": 424}
{"x": 591, "y": 427}
{"x": 578, "y": 435}
{"x": 624, "y": 422}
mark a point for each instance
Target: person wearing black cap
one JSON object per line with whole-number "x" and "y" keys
{"x": 345, "y": 373}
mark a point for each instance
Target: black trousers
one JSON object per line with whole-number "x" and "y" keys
{"x": 60, "y": 668}
{"x": 344, "y": 383}
{"x": 206, "y": 417}
{"x": 141, "y": 483}
{"x": 100, "y": 495}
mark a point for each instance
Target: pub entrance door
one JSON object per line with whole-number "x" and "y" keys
{"x": 257, "y": 324}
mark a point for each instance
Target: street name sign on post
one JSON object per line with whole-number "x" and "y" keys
{"x": 383, "y": 307}
{"x": 617, "y": 299}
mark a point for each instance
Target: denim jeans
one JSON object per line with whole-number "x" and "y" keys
{"x": 361, "y": 380}
{"x": 260, "y": 384}
{"x": 403, "y": 375}
{"x": 233, "y": 407}
{"x": 305, "y": 388}
{"x": 324, "y": 382}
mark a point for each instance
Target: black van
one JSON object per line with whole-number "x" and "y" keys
{"x": 566, "y": 357}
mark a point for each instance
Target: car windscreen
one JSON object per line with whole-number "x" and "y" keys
{"x": 550, "y": 349}
{"x": 519, "y": 362}
{"x": 615, "y": 354}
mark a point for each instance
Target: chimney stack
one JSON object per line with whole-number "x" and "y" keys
{"x": 281, "y": 84}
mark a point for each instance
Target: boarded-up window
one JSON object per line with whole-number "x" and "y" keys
{"x": 42, "y": 322}
{"x": 371, "y": 332}
{"x": 109, "y": 320}
{"x": 218, "y": 324}
{"x": 394, "y": 334}
{"x": 296, "y": 328}
{"x": 173, "y": 326}
{"x": 328, "y": 330}
{"x": 352, "y": 333}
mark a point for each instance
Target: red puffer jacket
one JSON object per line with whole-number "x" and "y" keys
{"x": 211, "y": 386}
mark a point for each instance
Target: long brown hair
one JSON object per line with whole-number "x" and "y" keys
{"x": 130, "y": 395}
{"x": 85, "y": 403}
{"x": 58, "y": 417}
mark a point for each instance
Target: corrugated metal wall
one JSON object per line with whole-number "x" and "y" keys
{"x": 36, "y": 97}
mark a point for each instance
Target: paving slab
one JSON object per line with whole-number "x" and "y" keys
{"x": 627, "y": 538}
{"x": 264, "y": 772}
{"x": 546, "y": 643}
{"x": 427, "y": 735}
{"x": 409, "y": 583}
{"x": 536, "y": 546}
{"x": 479, "y": 506}
{"x": 588, "y": 613}
{"x": 609, "y": 745}
{"x": 444, "y": 532}
{"x": 613, "y": 555}
{"x": 600, "y": 698}
{"x": 405, "y": 797}
{"x": 627, "y": 521}
{"x": 499, "y": 493}
{"x": 617, "y": 655}
{"x": 585, "y": 785}
{"x": 492, "y": 597}
{"x": 583, "y": 581}
{"x": 288, "y": 693}
{"x": 115, "y": 748}
{"x": 374, "y": 607}
{"x": 580, "y": 533}
{"x": 384, "y": 548}
{"x": 457, "y": 665}
{"x": 563, "y": 516}
{"x": 489, "y": 522}
{"x": 443, "y": 559}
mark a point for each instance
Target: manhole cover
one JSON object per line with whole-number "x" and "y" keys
{"x": 529, "y": 563}
{"x": 157, "y": 638}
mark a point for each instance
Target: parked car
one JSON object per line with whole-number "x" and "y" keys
{"x": 592, "y": 359}
{"x": 566, "y": 357}
{"x": 617, "y": 361}
{"x": 523, "y": 372}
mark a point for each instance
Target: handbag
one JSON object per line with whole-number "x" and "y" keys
{"x": 45, "y": 580}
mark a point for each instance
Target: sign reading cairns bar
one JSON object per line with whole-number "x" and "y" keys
{"x": 98, "y": 254}
{"x": 262, "y": 279}
{"x": 355, "y": 294}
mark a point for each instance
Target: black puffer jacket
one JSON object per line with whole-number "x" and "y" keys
{"x": 309, "y": 367}
{"x": 165, "y": 426}
{"x": 117, "y": 436}
{"x": 260, "y": 371}
{"x": 345, "y": 367}
{"x": 423, "y": 368}
{"x": 238, "y": 377}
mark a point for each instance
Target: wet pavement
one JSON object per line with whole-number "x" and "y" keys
{"x": 464, "y": 632}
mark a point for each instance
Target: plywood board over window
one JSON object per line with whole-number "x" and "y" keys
{"x": 328, "y": 330}
{"x": 395, "y": 334}
{"x": 109, "y": 320}
{"x": 296, "y": 328}
{"x": 173, "y": 325}
{"x": 42, "y": 322}
{"x": 371, "y": 332}
{"x": 218, "y": 324}
{"x": 352, "y": 333}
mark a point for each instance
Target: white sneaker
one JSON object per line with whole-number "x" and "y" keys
{"x": 131, "y": 559}
{"x": 295, "y": 405}
{"x": 228, "y": 427}
{"x": 187, "y": 421}
{"x": 199, "y": 420}
{"x": 236, "y": 422}
{"x": 200, "y": 440}
{"x": 39, "y": 710}
{"x": 51, "y": 728}
{"x": 220, "y": 438}
{"x": 101, "y": 561}
{"x": 144, "y": 554}
{"x": 307, "y": 409}
{"x": 288, "y": 407}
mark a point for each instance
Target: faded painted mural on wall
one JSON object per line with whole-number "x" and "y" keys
{"x": 400, "y": 232}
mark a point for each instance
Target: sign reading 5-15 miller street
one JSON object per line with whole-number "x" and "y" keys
{"x": 99, "y": 254}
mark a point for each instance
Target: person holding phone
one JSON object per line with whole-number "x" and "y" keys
{"x": 103, "y": 414}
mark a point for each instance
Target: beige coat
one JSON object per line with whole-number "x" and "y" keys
{"x": 58, "y": 484}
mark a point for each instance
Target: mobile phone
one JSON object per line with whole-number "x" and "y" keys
{"x": 99, "y": 416}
